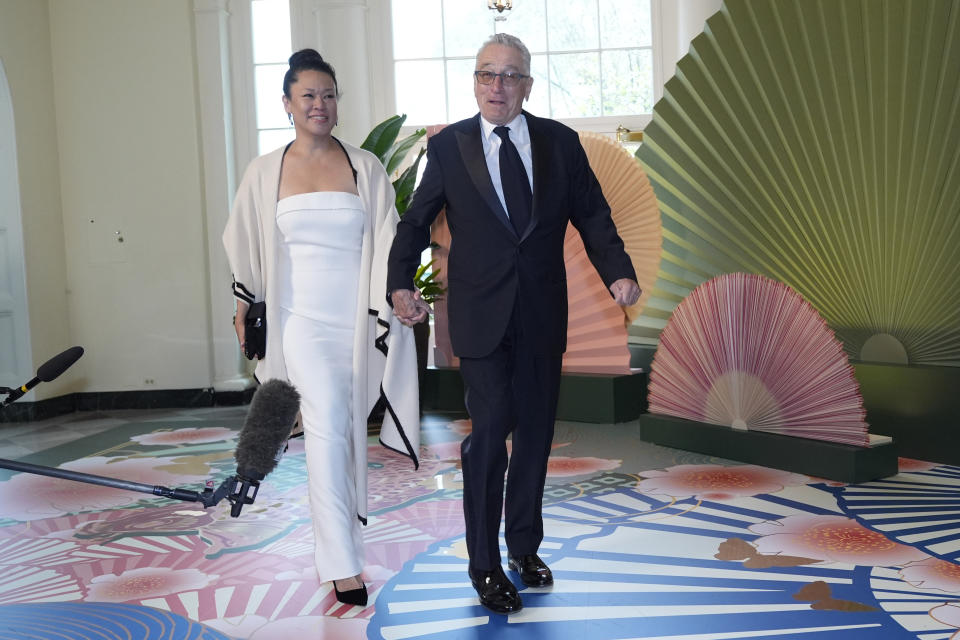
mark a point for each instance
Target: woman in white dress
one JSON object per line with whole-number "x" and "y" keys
{"x": 309, "y": 233}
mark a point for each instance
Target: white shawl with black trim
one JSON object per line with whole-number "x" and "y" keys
{"x": 384, "y": 354}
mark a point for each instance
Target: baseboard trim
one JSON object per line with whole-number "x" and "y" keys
{"x": 107, "y": 400}
{"x": 39, "y": 410}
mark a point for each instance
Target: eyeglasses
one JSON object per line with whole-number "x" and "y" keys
{"x": 509, "y": 79}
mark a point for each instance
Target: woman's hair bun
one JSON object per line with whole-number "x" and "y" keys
{"x": 305, "y": 57}
{"x": 303, "y": 60}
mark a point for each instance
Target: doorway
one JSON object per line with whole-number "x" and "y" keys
{"x": 15, "y": 362}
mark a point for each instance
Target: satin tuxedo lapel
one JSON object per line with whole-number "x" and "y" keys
{"x": 471, "y": 150}
{"x": 541, "y": 147}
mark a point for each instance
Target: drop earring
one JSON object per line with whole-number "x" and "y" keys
{"x": 290, "y": 118}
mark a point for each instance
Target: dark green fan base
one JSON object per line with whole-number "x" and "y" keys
{"x": 828, "y": 460}
{"x": 917, "y": 406}
{"x": 584, "y": 397}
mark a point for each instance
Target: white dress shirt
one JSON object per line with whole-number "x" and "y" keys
{"x": 520, "y": 136}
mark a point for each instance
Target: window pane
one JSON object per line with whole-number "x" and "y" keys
{"x": 466, "y": 25}
{"x": 270, "y": 139}
{"x": 539, "y": 102}
{"x": 460, "y": 97}
{"x": 575, "y": 90}
{"x": 625, "y": 23}
{"x": 271, "y": 30}
{"x": 528, "y": 21}
{"x": 627, "y": 82}
{"x": 572, "y": 25}
{"x": 268, "y": 82}
{"x": 593, "y": 39}
{"x": 417, "y": 29}
{"x": 421, "y": 91}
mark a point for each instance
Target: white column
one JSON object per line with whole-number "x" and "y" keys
{"x": 338, "y": 30}
{"x": 16, "y": 365}
{"x": 219, "y": 182}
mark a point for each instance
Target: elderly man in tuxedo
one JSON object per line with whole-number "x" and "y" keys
{"x": 510, "y": 182}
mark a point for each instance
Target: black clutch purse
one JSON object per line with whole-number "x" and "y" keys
{"x": 255, "y": 332}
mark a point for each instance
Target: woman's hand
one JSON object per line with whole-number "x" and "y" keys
{"x": 238, "y": 322}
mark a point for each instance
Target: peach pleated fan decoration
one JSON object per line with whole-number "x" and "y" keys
{"x": 596, "y": 333}
{"x": 749, "y": 352}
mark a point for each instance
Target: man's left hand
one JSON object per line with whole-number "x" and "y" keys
{"x": 625, "y": 292}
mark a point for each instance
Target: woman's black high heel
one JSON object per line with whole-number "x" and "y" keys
{"x": 353, "y": 596}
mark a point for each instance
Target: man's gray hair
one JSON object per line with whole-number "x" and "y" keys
{"x": 513, "y": 42}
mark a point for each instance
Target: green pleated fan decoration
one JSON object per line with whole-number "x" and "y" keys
{"x": 817, "y": 142}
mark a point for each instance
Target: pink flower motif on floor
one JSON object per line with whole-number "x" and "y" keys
{"x": 32, "y": 497}
{"x": 948, "y": 614}
{"x": 186, "y": 436}
{"x": 933, "y": 573}
{"x": 303, "y": 574}
{"x": 173, "y": 519}
{"x": 717, "y": 482}
{"x": 832, "y": 539}
{"x": 377, "y": 573}
{"x": 561, "y": 467}
{"x": 146, "y": 582}
{"x": 909, "y": 464}
{"x": 463, "y": 427}
{"x": 829, "y": 483}
{"x": 449, "y": 451}
{"x": 392, "y": 480}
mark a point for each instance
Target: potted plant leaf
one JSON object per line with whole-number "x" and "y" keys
{"x": 382, "y": 142}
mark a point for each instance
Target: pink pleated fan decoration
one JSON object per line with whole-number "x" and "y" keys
{"x": 749, "y": 352}
{"x": 597, "y": 326}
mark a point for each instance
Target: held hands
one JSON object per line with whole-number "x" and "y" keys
{"x": 625, "y": 292}
{"x": 409, "y": 307}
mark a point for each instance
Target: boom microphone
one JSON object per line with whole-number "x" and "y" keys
{"x": 262, "y": 441}
{"x": 48, "y": 371}
{"x": 263, "y": 438}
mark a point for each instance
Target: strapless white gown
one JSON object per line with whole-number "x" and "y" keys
{"x": 318, "y": 279}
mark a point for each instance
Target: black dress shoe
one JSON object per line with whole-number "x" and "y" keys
{"x": 496, "y": 591}
{"x": 533, "y": 571}
{"x": 356, "y": 596}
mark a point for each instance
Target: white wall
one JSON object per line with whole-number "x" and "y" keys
{"x": 127, "y": 128}
{"x": 680, "y": 22}
{"x": 25, "y": 50}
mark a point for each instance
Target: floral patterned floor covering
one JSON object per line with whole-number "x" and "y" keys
{"x": 645, "y": 542}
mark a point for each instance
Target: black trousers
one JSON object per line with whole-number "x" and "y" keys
{"x": 511, "y": 390}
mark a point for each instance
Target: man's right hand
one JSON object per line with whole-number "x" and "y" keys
{"x": 409, "y": 307}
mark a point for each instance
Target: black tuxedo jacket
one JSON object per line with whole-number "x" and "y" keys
{"x": 490, "y": 267}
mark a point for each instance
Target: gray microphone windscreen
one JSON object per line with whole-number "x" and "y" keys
{"x": 52, "y": 368}
{"x": 273, "y": 411}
